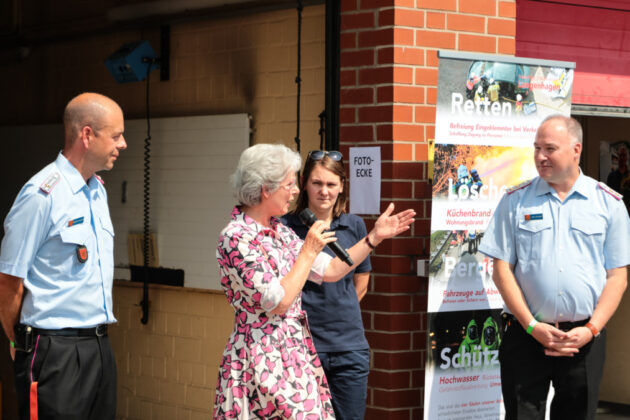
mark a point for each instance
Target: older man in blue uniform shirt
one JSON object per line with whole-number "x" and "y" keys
{"x": 56, "y": 272}
{"x": 560, "y": 245}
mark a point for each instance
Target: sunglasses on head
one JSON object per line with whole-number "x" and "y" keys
{"x": 319, "y": 155}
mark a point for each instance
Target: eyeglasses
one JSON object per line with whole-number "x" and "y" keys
{"x": 319, "y": 155}
{"x": 290, "y": 186}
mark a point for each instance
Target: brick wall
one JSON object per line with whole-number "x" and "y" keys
{"x": 389, "y": 73}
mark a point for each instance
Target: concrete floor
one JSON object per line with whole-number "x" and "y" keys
{"x": 608, "y": 411}
{"x": 612, "y": 416}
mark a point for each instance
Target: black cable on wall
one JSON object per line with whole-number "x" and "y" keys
{"x": 146, "y": 208}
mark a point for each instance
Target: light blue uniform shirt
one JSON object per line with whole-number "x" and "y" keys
{"x": 560, "y": 250}
{"x": 42, "y": 233}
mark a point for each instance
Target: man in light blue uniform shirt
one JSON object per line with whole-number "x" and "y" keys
{"x": 560, "y": 244}
{"x": 56, "y": 272}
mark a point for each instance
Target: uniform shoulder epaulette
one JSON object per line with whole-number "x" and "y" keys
{"x": 100, "y": 179}
{"x": 50, "y": 182}
{"x": 519, "y": 186}
{"x": 610, "y": 191}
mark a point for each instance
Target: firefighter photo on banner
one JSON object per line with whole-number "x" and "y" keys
{"x": 488, "y": 110}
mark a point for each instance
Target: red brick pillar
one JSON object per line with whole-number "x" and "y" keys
{"x": 389, "y": 73}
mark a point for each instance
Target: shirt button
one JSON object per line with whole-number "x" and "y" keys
{"x": 561, "y": 270}
{"x": 561, "y": 314}
{"x": 559, "y": 293}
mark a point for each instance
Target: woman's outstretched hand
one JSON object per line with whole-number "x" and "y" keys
{"x": 388, "y": 225}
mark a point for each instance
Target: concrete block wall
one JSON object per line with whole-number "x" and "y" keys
{"x": 389, "y": 74}
{"x": 238, "y": 64}
{"x": 167, "y": 369}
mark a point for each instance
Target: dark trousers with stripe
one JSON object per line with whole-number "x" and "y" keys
{"x": 526, "y": 373}
{"x": 66, "y": 378}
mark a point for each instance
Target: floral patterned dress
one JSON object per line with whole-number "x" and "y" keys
{"x": 270, "y": 369}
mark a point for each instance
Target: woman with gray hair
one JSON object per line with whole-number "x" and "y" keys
{"x": 269, "y": 367}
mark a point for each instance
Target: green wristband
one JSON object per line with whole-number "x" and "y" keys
{"x": 531, "y": 326}
{"x": 12, "y": 344}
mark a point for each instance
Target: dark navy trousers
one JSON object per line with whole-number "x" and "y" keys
{"x": 347, "y": 375}
{"x": 69, "y": 378}
{"x": 526, "y": 373}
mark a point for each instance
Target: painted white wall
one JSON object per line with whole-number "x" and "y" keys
{"x": 191, "y": 198}
{"x": 192, "y": 159}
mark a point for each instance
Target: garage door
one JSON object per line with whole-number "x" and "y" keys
{"x": 593, "y": 33}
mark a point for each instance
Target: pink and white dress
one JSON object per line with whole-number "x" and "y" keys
{"x": 269, "y": 369}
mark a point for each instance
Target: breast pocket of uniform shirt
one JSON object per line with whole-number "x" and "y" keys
{"x": 532, "y": 237}
{"x": 107, "y": 236}
{"x": 74, "y": 237}
{"x": 588, "y": 232}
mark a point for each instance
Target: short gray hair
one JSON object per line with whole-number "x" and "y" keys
{"x": 262, "y": 165}
{"x": 574, "y": 129}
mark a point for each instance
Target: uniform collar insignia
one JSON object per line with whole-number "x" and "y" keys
{"x": 609, "y": 190}
{"x": 519, "y": 186}
{"x": 50, "y": 182}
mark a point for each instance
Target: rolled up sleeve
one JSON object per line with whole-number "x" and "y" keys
{"x": 318, "y": 269}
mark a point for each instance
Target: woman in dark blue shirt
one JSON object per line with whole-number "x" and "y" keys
{"x": 333, "y": 310}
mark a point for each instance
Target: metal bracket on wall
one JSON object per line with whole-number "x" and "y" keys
{"x": 165, "y": 53}
{"x": 333, "y": 31}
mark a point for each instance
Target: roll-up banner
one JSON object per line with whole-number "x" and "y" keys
{"x": 488, "y": 110}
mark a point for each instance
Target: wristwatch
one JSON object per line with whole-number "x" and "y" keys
{"x": 593, "y": 329}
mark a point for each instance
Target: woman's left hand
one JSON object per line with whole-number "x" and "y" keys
{"x": 388, "y": 225}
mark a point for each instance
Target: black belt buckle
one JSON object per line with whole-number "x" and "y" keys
{"x": 567, "y": 326}
{"x": 23, "y": 338}
{"x": 101, "y": 330}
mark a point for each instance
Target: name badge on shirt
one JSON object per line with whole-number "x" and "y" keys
{"x": 76, "y": 221}
{"x": 534, "y": 216}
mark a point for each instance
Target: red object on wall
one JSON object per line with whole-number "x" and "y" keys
{"x": 593, "y": 33}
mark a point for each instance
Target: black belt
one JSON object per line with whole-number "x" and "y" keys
{"x": 98, "y": 331}
{"x": 564, "y": 325}
{"x": 24, "y": 334}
